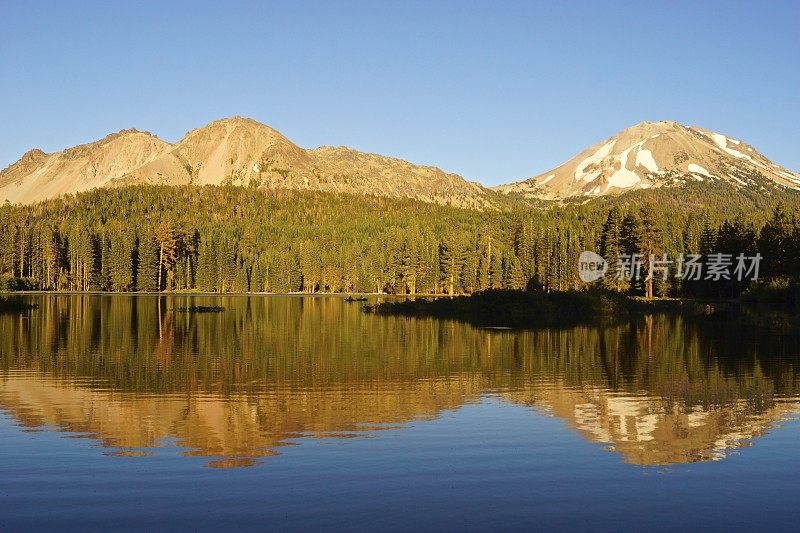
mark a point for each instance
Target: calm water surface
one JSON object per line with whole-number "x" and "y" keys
{"x": 305, "y": 413}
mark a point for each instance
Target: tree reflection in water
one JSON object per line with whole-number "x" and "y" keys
{"x": 239, "y": 385}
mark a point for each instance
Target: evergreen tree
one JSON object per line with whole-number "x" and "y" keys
{"x": 249, "y": 240}
{"x": 778, "y": 241}
{"x": 147, "y": 277}
{"x": 610, "y": 249}
{"x": 651, "y": 246}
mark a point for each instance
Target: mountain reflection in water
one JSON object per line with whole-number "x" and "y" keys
{"x": 239, "y": 385}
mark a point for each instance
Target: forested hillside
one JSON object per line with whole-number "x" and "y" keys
{"x": 234, "y": 239}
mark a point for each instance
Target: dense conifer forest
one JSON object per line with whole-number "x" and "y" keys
{"x": 236, "y": 240}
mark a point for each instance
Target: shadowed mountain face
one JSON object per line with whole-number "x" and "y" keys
{"x": 652, "y": 155}
{"x": 233, "y": 151}
{"x": 239, "y": 385}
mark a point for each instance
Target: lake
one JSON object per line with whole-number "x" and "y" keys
{"x": 305, "y": 413}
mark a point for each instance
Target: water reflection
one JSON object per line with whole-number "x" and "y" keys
{"x": 237, "y": 386}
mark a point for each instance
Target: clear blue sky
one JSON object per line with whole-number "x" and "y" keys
{"x": 496, "y": 91}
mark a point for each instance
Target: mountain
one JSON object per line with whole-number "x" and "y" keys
{"x": 351, "y": 171}
{"x": 652, "y": 155}
{"x": 243, "y": 152}
{"x": 38, "y": 176}
{"x": 231, "y": 151}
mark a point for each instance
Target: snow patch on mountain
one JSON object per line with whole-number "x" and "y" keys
{"x": 645, "y": 158}
{"x": 741, "y": 182}
{"x": 693, "y": 167}
{"x": 548, "y": 178}
{"x": 624, "y": 178}
{"x": 580, "y": 170}
{"x": 719, "y": 139}
{"x": 722, "y": 141}
{"x": 791, "y": 177}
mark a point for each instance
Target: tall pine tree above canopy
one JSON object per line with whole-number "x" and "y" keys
{"x": 610, "y": 249}
{"x": 169, "y": 237}
{"x": 651, "y": 245}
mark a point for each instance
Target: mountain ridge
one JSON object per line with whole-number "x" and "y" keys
{"x": 244, "y": 152}
{"x": 38, "y": 175}
{"x": 241, "y": 151}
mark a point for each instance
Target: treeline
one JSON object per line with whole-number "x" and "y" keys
{"x": 231, "y": 239}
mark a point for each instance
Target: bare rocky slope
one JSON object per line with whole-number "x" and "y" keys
{"x": 38, "y": 176}
{"x": 651, "y": 155}
{"x": 232, "y": 151}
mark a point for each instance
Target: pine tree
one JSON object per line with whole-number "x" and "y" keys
{"x": 610, "y": 249}
{"x": 651, "y": 244}
{"x": 147, "y": 275}
{"x": 778, "y": 241}
{"x": 630, "y": 234}
{"x": 169, "y": 238}
{"x": 450, "y": 263}
{"x": 248, "y": 240}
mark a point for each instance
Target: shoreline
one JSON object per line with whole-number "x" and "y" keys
{"x": 638, "y": 299}
{"x": 520, "y": 309}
